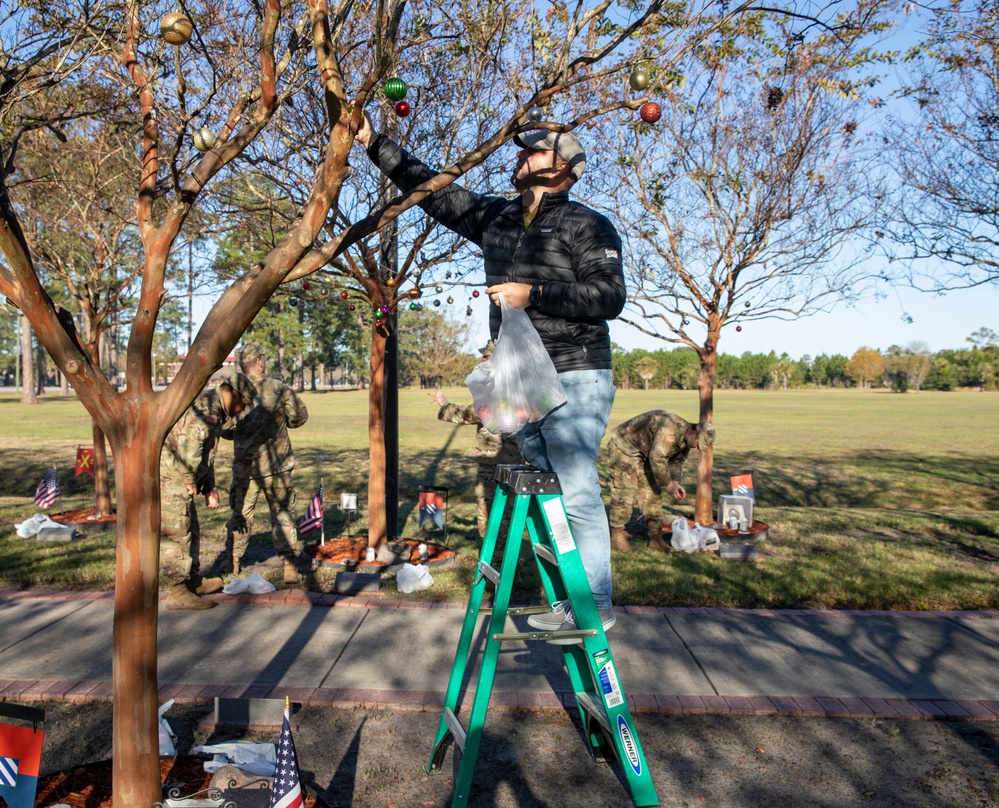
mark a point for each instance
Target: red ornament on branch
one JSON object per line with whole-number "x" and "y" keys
{"x": 650, "y": 112}
{"x": 402, "y": 109}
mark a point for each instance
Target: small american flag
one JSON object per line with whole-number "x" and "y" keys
{"x": 286, "y": 791}
{"x": 48, "y": 490}
{"x": 313, "y": 519}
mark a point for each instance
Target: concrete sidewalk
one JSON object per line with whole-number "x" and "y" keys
{"x": 397, "y": 654}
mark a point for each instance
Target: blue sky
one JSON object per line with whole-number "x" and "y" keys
{"x": 938, "y": 321}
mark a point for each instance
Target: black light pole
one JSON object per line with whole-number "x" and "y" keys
{"x": 389, "y": 269}
{"x": 390, "y": 263}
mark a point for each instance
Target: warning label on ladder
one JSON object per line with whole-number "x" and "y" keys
{"x": 607, "y": 678}
{"x": 561, "y": 535}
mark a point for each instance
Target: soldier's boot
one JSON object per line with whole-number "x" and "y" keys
{"x": 179, "y": 597}
{"x": 206, "y": 586}
{"x": 656, "y": 538}
{"x": 291, "y": 573}
{"x": 619, "y": 540}
{"x": 229, "y": 562}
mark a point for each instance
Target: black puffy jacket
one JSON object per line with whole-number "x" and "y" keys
{"x": 570, "y": 249}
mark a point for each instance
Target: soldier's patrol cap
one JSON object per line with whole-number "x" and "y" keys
{"x": 242, "y": 385}
{"x": 705, "y": 436}
{"x": 487, "y": 349}
{"x": 249, "y": 353}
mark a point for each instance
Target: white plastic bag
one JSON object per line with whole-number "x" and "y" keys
{"x": 168, "y": 741}
{"x": 683, "y": 536}
{"x": 413, "y": 578}
{"x": 30, "y": 528}
{"x": 689, "y": 538}
{"x": 519, "y": 385}
{"x": 252, "y": 583}
{"x": 707, "y": 538}
{"x": 255, "y": 758}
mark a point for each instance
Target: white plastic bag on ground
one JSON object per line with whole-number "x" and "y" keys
{"x": 689, "y": 538}
{"x": 252, "y": 583}
{"x": 29, "y": 528}
{"x": 707, "y": 538}
{"x": 413, "y": 578}
{"x": 168, "y": 741}
{"x": 255, "y": 758}
{"x": 683, "y": 536}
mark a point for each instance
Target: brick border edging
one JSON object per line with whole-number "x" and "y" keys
{"x": 72, "y": 692}
{"x": 299, "y": 597}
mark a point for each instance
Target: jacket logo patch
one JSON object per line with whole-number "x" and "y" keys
{"x": 610, "y": 253}
{"x": 547, "y": 229}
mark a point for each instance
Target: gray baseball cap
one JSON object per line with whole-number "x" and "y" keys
{"x": 565, "y": 144}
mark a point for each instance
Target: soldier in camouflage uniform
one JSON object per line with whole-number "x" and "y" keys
{"x": 492, "y": 449}
{"x": 262, "y": 463}
{"x": 646, "y": 456}
{"x": 187, "y": 468}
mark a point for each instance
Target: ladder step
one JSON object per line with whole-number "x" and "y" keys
{"x": 576, "y": 634}
{"x": 518, "y": 610}
{"x": 546, "y": 554}
{"x": 457, "y": 730}
{"x": 593, "y": 708}
{"x": 488, "y": 572}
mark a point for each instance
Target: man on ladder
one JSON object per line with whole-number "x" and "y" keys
{"x": 561, "y": 262}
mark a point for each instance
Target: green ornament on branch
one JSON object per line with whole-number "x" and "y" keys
{"x": 395, "y": 89}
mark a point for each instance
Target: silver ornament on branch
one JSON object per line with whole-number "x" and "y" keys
{"x": 535, "y": 114}
{"x": 176, "y": 28}
{"x": 204, "y": 139}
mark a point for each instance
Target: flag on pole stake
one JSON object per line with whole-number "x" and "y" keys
{"x": 742, "y": 485}
{"x": 313, "y": 519}
{"x": 20, "y": 755}
{"x": 286, "y": 791}
{"x": 48, "y": 490}
{"x": 84, "y": 461}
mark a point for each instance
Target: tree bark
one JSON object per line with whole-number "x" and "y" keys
{"x": 102, "y": 482}
{"x": 135, "y": 739}
{"x": 377, "y": 529}
{"x": 704, "y": 505}
{"x": 28, "y": 394}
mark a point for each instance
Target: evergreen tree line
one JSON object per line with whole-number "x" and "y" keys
{"x": 322, "y": 344}
{"x": 899, "y": 369}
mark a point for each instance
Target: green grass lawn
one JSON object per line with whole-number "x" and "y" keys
{"x": 874, "y": 500}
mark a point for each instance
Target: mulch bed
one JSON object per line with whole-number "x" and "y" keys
{"x": 83, "y": 516}
{"x": 757, "y": 530}
{"x": 349, "y": 552}
{"x": 86, "y": 521}
{"x": 90, "y": 786}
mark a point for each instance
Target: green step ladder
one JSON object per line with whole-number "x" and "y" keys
{"x": 600, "y": 699}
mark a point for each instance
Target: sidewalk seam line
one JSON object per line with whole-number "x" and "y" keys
{"x": 343, "y": 650}
{"x": 693, "y": 656}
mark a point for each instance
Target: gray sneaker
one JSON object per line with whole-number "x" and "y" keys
{"x": 561, "y": 618}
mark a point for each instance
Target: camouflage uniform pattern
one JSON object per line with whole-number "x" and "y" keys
{"x": 492, "y": 450}
{"x": 262, "y": 463}
{"x": 188, "y": 459}
{"x": 646, "y": 454}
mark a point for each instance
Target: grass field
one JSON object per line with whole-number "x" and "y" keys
{"x": 874, "y": 500}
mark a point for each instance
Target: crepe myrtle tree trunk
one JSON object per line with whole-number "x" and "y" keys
{"x": 136, "y": 616}
{"x": 708, "y": 355}
{"x": 377, "y": 525}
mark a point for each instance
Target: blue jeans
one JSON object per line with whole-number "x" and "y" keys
{"x": 567, "y": 441}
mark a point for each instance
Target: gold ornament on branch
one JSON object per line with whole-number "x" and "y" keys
{"x": 176, "y": 28}
{"x": 204, "y": 139}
